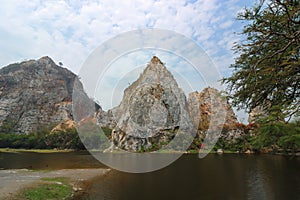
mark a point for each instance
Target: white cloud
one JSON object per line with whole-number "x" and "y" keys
{"x": 68, "y": 31}
{"x": 57, "y": 27}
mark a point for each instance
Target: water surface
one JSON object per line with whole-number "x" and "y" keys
{"x": 228, "y": 176}
{"x": 48, "y": 161}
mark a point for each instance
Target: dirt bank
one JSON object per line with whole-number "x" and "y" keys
{"x": 14, "y": 181}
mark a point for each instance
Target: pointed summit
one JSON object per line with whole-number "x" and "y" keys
{"x": 156, "y": 60}
{"x": 153, "y": 108}
{"x": 157, "y": 66}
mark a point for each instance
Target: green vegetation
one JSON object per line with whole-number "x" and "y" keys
{"x": 270, "y": 134}
{"x": 273, "y": 136}
{"x": 67, "y": 139}
{"x": 11, "y": 150}
{"x": 38, "y": 140}
{"x": 267, "y": 70}
{"x": 278, "y": 136}
{"x": 57, "y": 140}
{"x": 54, "y": 188}
{"x": 267, "y": 74}
{"x": 17, "y": 141}
{"x": 8, "y": 126}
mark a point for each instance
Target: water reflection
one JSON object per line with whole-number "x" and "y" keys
{"x": 256, "y": 185}
{"x": 214, "y": 177}
{"x": 61, "y": 160}
{"x": 227, "y": 176}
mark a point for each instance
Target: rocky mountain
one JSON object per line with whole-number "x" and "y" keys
{"x": 200, "y": 106}
{"x": 152, "y": 110}
{"x": 35, "y": 94}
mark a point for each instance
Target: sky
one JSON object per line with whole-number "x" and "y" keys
{"x": 69, "y": 31}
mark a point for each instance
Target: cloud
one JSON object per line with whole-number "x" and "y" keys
{"x": 58, "y": 27}
{"x": 68, "y": 31}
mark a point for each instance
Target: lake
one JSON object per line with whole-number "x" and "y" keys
{"x": 227, "y": 176}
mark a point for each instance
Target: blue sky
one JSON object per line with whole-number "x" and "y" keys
{"x": 69, "y": 31}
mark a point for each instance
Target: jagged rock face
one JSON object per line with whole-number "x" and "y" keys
{"x": 151, "y": 106}
{"x": 200, "y": 106}
{"x": 105, "y": 119}
{"x": 35, "y": 94}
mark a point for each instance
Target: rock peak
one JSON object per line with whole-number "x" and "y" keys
{"x": 46, "y": 59}
{"x": 156, "y": 60}
{"x": 152, "y": 111}
{"x": 42, "y": 88}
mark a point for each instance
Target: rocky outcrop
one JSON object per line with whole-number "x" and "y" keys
{"x": 63, "y": 126}
{"x": 200, "y": 106}
{"x": 35, "y": 94}
{"x": 152, "y": 110}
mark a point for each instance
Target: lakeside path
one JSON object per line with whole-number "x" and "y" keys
{"x": 14, "y": 181}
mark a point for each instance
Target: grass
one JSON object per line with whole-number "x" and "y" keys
{"x": 53, "y": 188}
{"x": 9, "y": 150}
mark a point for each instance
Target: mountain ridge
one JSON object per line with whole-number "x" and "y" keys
{"x": 38, "y": 93}
{"x": 154, "y": 106}
{"x": 35, "y": 94}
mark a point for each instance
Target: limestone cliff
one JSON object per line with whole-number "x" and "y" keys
{"x": 200, "y": 106}
{"x": 35, "y": 94}
{"x": 153, "y": 108}
{"x": 204, "y": 101}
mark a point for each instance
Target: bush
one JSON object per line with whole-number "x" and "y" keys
{"x": 278, "y": 135}
{"x": 67, "y": 139}
{"x": 24, "y": 141}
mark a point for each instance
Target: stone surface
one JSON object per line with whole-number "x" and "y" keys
{"x": 153, "y": 108}
{"x": 35, "y": 94}
{"x": 63, "y": 126}
{"x": 201, "y": 106}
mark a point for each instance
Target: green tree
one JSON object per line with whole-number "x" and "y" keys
{"x": 267, "y": 70}
{"x": 278, "y": 135}
{"x": 67, "y": 139}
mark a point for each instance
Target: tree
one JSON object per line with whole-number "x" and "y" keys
{"x": 267, "y": 71}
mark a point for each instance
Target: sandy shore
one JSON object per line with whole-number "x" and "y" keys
{"x": 14, "y": 181}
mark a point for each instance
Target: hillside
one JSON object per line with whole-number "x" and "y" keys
{"x": 35, "y": 95}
